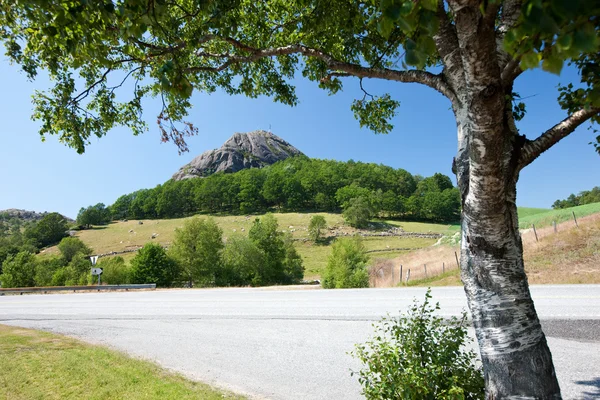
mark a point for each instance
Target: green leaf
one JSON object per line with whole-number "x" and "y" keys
{"x": 553, "y": 64}
{"x": 412, "y": 58}
{"x": 429, "y": 4}
{"x": 410, "y": 44}
{"x": 530, "y": 60}
{"x": 392, "y": 12}
{"x": 406, "y": 24}
{"x": 565, "y": 41}
{"x": 548, "y": 25}
{"x": 385, "y": 27}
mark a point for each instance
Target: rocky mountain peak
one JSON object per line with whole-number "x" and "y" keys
{"x": 243, "y": 150}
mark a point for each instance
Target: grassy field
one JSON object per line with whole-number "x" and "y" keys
{"x": 120, "y": 236}
{"x": 528, "y": 211}
{"x": 542, "y": 219}
{"x": 40, "y": 365}
{"x": 572, "y": 255}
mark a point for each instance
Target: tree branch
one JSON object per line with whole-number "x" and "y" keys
{"x": 511, "y": 10}
{"x": 533, "y": 149}
{"x": 349, "y": 69}
{"x": 447, "y": 46}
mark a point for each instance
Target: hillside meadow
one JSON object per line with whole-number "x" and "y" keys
{"x": 569, "y": 256}
{"x": 132, "y": 234}
{"x": 385, "y": 254}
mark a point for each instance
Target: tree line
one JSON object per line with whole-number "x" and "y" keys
{"x": 198, "y": 256}
{"x": 584, "y": 197}
{"x": 294, "y": 184}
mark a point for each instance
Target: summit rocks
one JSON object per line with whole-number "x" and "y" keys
{"x": 243, "y": 150}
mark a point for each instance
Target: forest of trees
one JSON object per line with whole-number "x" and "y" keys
{"x": 298, "y": 184}
{"x": 585, "y": 197}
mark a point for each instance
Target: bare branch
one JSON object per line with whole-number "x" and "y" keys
{"x": 533, "y": 149}
{"x": 87, "y": 91}
{"x": 338, "y": 67}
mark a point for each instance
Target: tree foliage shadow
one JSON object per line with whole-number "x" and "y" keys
{"x": 594, "y": 383}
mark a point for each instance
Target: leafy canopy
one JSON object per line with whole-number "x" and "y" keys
{"x": 105, "y": 57}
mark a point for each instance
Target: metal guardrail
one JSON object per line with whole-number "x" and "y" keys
{"x": 76, "y": 288}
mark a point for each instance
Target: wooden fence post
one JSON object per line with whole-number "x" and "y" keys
{"x": 535, "y": 232}
{"x": 575, "y": 218}
{"x": 443, "y": 268}
{"x": 407, "y": 276}
{"x": 400, "y": 274}
{"x": 457, "y": 263}
{"x": 425, "y": 266}
{"x": 392, "y": 274}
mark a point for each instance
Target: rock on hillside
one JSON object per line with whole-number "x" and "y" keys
{"x": 26, "y": 215}
{"x": 243, "y": 150}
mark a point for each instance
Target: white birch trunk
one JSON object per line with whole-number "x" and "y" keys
{"x": 516, "y": 360}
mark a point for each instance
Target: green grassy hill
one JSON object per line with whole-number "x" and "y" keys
{"x": 545, "y": 218}
{"x": 120, "y": 236}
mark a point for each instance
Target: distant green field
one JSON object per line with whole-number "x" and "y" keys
{"x": 542, "y": 219}
{"x": 528, "y": 211}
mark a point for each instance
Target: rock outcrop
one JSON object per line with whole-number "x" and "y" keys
{"x": 25, "y": 215}
{"x": 243, "y": 150}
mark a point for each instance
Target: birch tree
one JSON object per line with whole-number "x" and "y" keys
{"x": 104, "y": 57}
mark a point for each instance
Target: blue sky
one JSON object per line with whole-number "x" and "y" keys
{"x": 48, "y": 176}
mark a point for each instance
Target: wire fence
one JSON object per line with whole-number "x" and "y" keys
{"x": 434, "y": 261}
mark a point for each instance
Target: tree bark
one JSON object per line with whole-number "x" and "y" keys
{"x": 516, "y": 360}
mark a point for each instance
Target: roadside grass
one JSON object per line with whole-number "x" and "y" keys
{"x": 40, "y": 365}
{"x": 449, "y": 278}
{"x": 566, "y": 214}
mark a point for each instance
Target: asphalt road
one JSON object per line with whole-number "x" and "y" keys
{"x": 289, "y": 344}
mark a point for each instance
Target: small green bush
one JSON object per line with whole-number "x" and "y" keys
{"x": 152, "y": 265}
{"x": 70, "y": 246}
{"x": 347, "y": 265}
{"x": 358, "y": 212}
{"x": 114, "y": 271}
{"x": 317, "y": 223}
{"x": 419, "y": 356}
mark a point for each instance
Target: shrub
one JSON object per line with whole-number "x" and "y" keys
{"x": 419, "y": 356}
{"x": 46, "y": 268}
{"x": 281, "y": 261}
{"x": 19, "y": 270}
{"x": 317, "y": 222}
{"x": 114, "y": 270}
{"x": 70, "y": 246}
{"x": 358, "y": 212}
{"x": 293, "y": 268}
{"x": 347, "y": 265}
{"x": 152, "y": 265}
{"x": 242, "y": 262}
{"x": 197, "y": 248}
